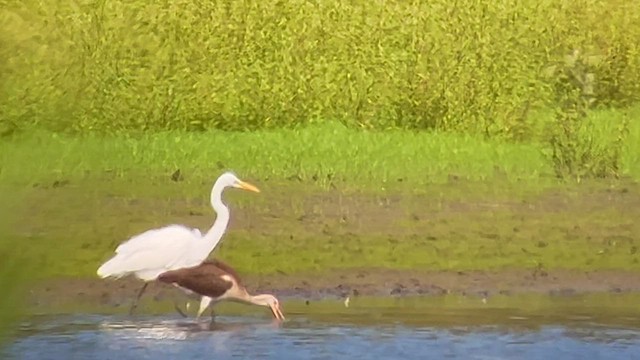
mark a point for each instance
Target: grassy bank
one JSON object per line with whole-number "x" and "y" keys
{"x": 319, "y": 154}
{"x": 335, "y": 197}
{"x": 324, "y": 154}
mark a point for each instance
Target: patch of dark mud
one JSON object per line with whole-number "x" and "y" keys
{"x": 388, "y": 282}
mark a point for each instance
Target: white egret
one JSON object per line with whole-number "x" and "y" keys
{"x": 172, "y": 247}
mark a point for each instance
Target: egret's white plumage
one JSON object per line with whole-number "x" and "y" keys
{"x": 172, "y": 247}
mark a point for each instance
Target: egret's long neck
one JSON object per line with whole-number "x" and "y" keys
{"x": 213, "y": 236}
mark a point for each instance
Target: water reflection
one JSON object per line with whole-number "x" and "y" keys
{"x": 183, "y": 326}
{"x": 217, "y": 334}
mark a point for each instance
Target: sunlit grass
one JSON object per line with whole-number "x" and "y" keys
{"x": 320, "y": 154}
{"x": 323, "y": 154}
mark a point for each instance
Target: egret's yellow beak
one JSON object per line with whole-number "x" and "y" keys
{"x": 245, "y": 185}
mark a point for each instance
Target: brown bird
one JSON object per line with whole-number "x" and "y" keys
{"x": 216, "y": 281}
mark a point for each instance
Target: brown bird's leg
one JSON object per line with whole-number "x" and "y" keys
{"x": 204, "y": 302}
{"x": 213, "y": 315}
{"x": 175, "y": 305}
{"x": 135, "y": 302}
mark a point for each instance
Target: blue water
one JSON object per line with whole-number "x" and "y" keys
{"x": 168, "y": 337}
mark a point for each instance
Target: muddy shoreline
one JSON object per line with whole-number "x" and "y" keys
{"x": 353, "y": 282}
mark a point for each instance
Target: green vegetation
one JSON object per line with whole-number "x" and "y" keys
{"x": 325, "y": 154}
{"x": 485, "y": 69}
{"x": 472, "y": 66}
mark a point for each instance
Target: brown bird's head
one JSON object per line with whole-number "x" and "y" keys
{"x": 273, "y": 304}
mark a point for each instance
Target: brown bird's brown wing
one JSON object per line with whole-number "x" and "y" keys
{"x": 204, "y": 279}
{"x": 226, "y": 268}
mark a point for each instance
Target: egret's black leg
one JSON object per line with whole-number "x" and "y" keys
{"x": 135, "y": 302}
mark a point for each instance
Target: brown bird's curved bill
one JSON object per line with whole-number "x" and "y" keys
{"x": 245, "y": 185}
{"x": 276, "y": 312}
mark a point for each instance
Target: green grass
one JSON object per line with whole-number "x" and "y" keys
{"x": 326, "y": 153}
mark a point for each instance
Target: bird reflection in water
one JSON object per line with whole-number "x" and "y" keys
{"x": 181, "y": 330}
{"x": 199, "y": 326}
